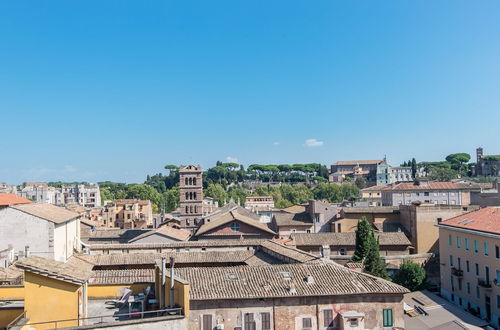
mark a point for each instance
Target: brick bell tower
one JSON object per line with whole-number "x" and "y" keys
{"x": 191, "y": 196}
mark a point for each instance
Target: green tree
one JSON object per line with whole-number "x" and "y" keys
{"x": 350, "y": 191}
{"x": 328, "y": 191}
{"x": 238, "y": 194}
{"x": 363, "y": 231}
{"x": 458, "y": 160}
{"x": 360, "y": 183}
{"x": 373, "y": 263}
{"x": 171, "y": 198}
{"x": 410, "y": 275}
{"x": 217, "y": 192}
{"x": 106, "y": 195}
{"x": 442, "y": 174}
{"x": 413, "y": 168}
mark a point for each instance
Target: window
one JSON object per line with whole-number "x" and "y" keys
{"x": 207, "y": 321}
{"x": 266, "y": 320}
{"x": 342, "y": 252}
{"x": 497, "y": 251}
{"x": 459, "y": 263}
{"x": 478, "y": 294}
{"x": 476, "y": 246}
{"x": 451, "y": 260}
{"x": 466, "y": 243}
{"x": 353, "y": 323}
{"x": 467, "y": 265}
{"x": 486, "y": 247}
{"x": 459, "y": 242}
{"x": 468, "y": 287}
{"x": 450, "y": 240}
{"x": 328, "y": 318}
{"x": 497, "y": 277}
{"x": 249, "y": 321}
{"x": 387, "y": 315}
{"x": 426, "y": 193}
{"x": 339, "y": 228}
{"x": 235, "y": 226}
{"x": 477, "y": 269}
{"x": 306, "y": 323}
{"x": 498, "y": 301}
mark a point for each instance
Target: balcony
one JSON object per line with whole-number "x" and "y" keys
{"x": 484, "y": 284}
{"x": 457, "y": 272}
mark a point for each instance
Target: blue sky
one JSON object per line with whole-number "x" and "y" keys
{"x": 96, "y": 90}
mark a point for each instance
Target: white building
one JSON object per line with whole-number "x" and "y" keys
{"x": 87, "y": 195}
{"x": 42, "y": 229}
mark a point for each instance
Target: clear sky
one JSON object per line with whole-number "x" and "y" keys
{"x": 114, "y": 90}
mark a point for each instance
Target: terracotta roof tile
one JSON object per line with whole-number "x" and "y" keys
{"x": 431, "y": 185}
{"x": 292, "y": 219}
{"x": 12, "y": 199}
{"x": 75, "y": 273}
{"x": 246, "y": 282}
{"x": 347, "y": 239}
{"x": 232, "y": 216}
{"x": 178, "y": 234}
{"x": 483, "y": 220}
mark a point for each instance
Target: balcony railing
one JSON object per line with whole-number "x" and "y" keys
{"x": 457, "y": 272}
{"x": 484, "y": 284}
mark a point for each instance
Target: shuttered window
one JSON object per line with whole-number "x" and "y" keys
{"x": 387, "y": 317}
{"x": 266, "y": 320}
{"x": 327, "y": 318}
{"x": 207, "y": 322}
{"x": 249, "y": 321}
{"x": 306, "y": 323}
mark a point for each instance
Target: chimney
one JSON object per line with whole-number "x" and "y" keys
{"x": 291, "y": 288}
{"x": 309, "y": 279}
{"x": 27, "y": 251}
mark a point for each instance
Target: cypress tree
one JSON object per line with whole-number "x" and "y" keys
{"x": 413, "y": 168}
{"x": 373, "y": 262}
{"x": 362, "y": 239}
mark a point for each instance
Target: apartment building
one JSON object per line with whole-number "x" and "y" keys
{"x": 423, "y": 191}
{"x": 87, "y": 195}
{"x": 470, "y": 262}
{"x": 128, "y": 214}
{"x": 372, "y": 195}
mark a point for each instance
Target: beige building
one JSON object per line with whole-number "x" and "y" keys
{"x": 128, "y": 214}
{"x": 372, "y": 195}
{"x": 419, "y": 222}
{"x": 470, "y": 262}
{"x": 259, "y": 203}
{"x": 383, "y": 218}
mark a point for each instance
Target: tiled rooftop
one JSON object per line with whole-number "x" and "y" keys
{"x": 48, "y": 212}
{"x": 483, "y": 220}
{"x": 347, "y": 239}
{"x": 12, "y": 199}
{"x": 281, "y": 281}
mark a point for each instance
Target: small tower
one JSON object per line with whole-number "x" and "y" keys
{"x": 191, "y": 196}
{"x": 479, "y": 161}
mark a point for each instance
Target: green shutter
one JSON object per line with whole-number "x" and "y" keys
{"x": 387, "y": 314}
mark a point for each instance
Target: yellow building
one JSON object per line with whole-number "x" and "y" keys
{"x": 53, "y": 291}
{"x": 372, "y": 195}
{"x": 469, "y": 248}
{"x": 384, "y": 218}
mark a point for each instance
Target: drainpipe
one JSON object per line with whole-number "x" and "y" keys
{"x": 162, "y": 287}
{"x": 172, "y": 261}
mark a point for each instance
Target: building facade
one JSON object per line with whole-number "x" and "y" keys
{"x": 37, "y": 229}
{"x": 470, "y": 262}
{"x": 87, "y": 195}
{"x": 487, "y": 165}
{"x": 429, "y": 192}
{"x": 353, "y": 169}
{"x": 127, "y": 214}
{"x": 191, "y": 196}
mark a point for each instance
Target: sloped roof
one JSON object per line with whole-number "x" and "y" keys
{"x": 67, "y": 272}
{"x": 484, "y": 220}
{"x": 246, "y": 282}
{"x": 371, "y": 209}
{"x": 232, "y": 216}
{"x": 178, "y": 234}
{"x": 12, "y": 199}
{"x": 294, "y": 209}
{"x": 290, "y": 253}
{"x": 48, "y": 212}
{"x": 358, "y": 162}
{"x": 122, "y": 276}
{"x": 347, "y": 239}
{"x": 292, "y": 219}
{"x": 430, "y": 185}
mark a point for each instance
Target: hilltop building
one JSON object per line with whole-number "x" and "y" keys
{"x": 191, "y": 196}
{"x": 486, "y": 165}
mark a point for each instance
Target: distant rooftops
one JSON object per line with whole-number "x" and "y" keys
{"x": 132, "y": 201}
{"x": 424, "y": 185}
{"x": 359, "y": 162}
{"x": 48, "y": 212}
{"x": 484, "y": 220}
{"x": 12, "y": 199}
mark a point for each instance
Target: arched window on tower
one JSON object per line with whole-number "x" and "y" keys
{"x": 187, "y": 196}
{"x": 186, "y": 181}
{"x": 187, "y": 209}
{"x": 194, "y": 181}
{"x": 194, "y": 195}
